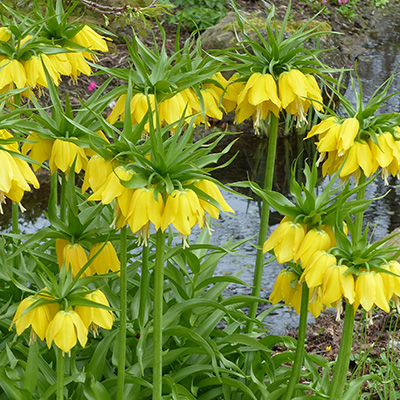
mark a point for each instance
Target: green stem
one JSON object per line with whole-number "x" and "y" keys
{"x": 263, "y": 230}
{"x": 53, "y": 191}
{"x": 158, "y": 313}
{"x": 63, "y": 198}
{"x": 359, "y": 216}
{"x": 343, "y": 359}
{"x": 60, "y": 374}
{"x": 299, "y": 357}
{"x": 144, "y": 283}
{"x": 122, "y": 315}
{"x": 15, "y": 217}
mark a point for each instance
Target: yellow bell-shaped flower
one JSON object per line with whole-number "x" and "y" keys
{"x": 89, "y": 38}
{"x": 95, "y": 317}
{"x": 370, "y": 291}
{"x": 73, "y": 256}
{"x": 183, "y": 211}
{"x": 258, "y": 99}
{"x": 38, "y": 317}
{"x": 314, "y": 273}
{"x": 65, "y": 329}
{"x": 211, "y": 189}
{"x": 63, "y": 155}
{"x": 39, "y": 149}
{"x": 146, "y": 206}
{"x": 105, "y": 260}
{"x": 285, "y": 240}
{"x": 297, "y": 91}
{"x": 97, "y": 171}
{"x": 314, "y": 240}
{"x": 337, "y": 286}
{"x": 288, "y": 289}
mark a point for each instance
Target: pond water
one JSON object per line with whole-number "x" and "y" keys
{"x": 375, "y": 65}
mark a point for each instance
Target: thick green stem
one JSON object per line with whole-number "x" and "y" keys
{"x": 15, "y": 217}
{"x": 144, "y": 283}
{"x": 359, "y": 216}
{"x": 54, "y": 191}
{"x": 343, "y": 359}
{"x": 263, "y": 230}
{"x": 60, "y": 374}
{"x": 122, "y": 315}
{"x": 158, "y": 313}
{"x": 298, "y": 361}
{"x": 63, "y": 198}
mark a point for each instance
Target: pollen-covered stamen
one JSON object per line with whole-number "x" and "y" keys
{"x": 2, "y": 201}
{"x": 339, "y": 309}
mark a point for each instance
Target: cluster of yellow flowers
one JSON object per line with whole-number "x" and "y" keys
{"x": 339, "y": 141}
{"x": 22, "y": 73}
{"x": 292, "y": 241}
{"x": 182, "y": 104}
{"x": 261, "y": 95}
{"x": 255, "y": 98}
{"x": 42, "y": 312}
{"x": 102, "y": 255}
{"x": 329, "y": 282}
{"x": 142, "y": 206}
{"x": 15, "y": 173}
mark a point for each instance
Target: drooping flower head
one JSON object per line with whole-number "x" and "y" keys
{"x": 277, "y": 74}
{"x": 16, "y": 175}
{"x": 362, "y": 142}
{"x": 65, "y": 329}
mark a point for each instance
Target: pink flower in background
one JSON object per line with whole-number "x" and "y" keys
{"x": 323, "y": 1}
{"x": 92, "y": 86}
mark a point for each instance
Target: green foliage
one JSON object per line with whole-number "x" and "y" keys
{"x": 196, "y": 14}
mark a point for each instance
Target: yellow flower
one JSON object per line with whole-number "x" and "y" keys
{"x": 348, "y": 132}
{"x": 285, "y": 240}
{"x": 35, "y": 74}
{"x": 314, "y": 240}
{"x": 258, "y": 99}
{"x": 78, "y": 65}
{"x": 12, "y": 74}
{"x": 385, "y": 153}
{"x": 39, "y": 149}
{"x": 287, "y": 288}
{"x": 106, "y": 260}
{"x": 183, "y": 211}
{"x": 73, "y": 256}
{"x": 295, "y": 92}
{"x": 391, "y": 283}
{"x": 336, "y": 286}
{"x": 112, "y": 187}
{"x": 173, "y": 109}
{"x": 211, "y": 189}
{"x": 146, "y": 206}
{"x": 63, "y": 155}
{"x": 211, "y": 102}
{"x": 96, "y": 317}
{"x": 314, "y": 273}
{"x": 38, "y": 317}
{"x": 60, "y": 63}
{"x": 15, "y": 174}
{"x": 228, "y": 91}
{"x": 5, "y": 34}
{"x": 65, "y": 328}
{"x": 323, "y": 128}
{"x": 89, "y": 38}
{"x": 97, "y": 171}
{"x": 370, "y": 291}
{"x": 359, "y": 156}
